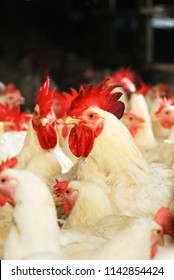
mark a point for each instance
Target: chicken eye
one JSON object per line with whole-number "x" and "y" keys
{"x": 167, "y": 112}
{"x": 3, "y": 180}
{"x": 67, "y": 191}
{"x": 91, "y": 116}
{"x": 131, "y": 118}
{"x": 10, "y": 97}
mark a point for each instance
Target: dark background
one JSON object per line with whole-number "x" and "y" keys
{"x": 77, "y": 41}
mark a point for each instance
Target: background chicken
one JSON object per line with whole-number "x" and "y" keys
{"x": 133, "y": 121}
{"x": 11, "y": 96}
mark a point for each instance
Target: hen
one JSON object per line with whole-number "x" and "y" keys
{"x": 33, "y": 234}
{"x": 29, "y": 232}
{"x": 83, "y": 202}
{"x": 11, "y": 96}
{"x": 111, "y": 159}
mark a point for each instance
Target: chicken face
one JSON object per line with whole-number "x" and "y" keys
{"x": 132, "y": 121}
{"x": 157, "y": 238}
{"x": 87, "y": 127}
{"x": 65, "y": 193}
{"x": 14, "y": 99}
{"x": 86, "y": 113}
{"x": 43, "y": 120}
{"x": 12, "y": 96}
{"x": 166, "y": 117}
{"x": 7, "y": 189}
{"x": 165, "y": 113}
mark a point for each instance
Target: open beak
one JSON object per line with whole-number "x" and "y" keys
{"x": 71, "y": 120}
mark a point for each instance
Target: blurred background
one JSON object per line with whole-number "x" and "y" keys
{"x": 77, "y": 41}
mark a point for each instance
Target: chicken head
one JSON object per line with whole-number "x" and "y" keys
{"x": 65, "y": 193}
{"x": 44, "y": 119}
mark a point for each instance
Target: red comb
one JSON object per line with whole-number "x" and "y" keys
{"x": 123, "y": 75}
{"x": 12, "y": 114}
{"x": 163, "y": 218}
{"x": 45, "y": 98}
{"x": 64, "y": 99}
{"x": 164, "y": 103}
{"x": 99, "y": 96}
{"x": 144, "y": 88}
{"x": 9, "y": 163}
{"x": 60, "y": 186}
{"x": 10, "y": 88}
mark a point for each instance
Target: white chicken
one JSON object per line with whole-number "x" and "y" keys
{"x": 12, "y": 96}
{"x": 79, "y": 201}
{"x": 33, "y": 234}
{"x": 41, "y": 153}
{"x": 111, "y": 159}
{"x": 29, "y": 232}
{"x": 138, "y": 241}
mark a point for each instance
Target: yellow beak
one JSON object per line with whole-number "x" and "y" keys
{"x": 42, "y": 121}
{"x": 71, "y": 120}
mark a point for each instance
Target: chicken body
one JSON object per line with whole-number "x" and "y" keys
{"x": 31, "y": 230}
{"x": 5, "y": 221}
{"x": 37, "y": 160}
{"x": 121, "y": 170}
{"x": 84, "y": 201}
{"x": 121, "y": 246}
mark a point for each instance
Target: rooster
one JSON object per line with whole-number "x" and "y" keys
{"x": 41, "y": 153}
{"x": 110, "y": 158}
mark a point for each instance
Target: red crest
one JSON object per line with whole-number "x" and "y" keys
{"x": 9, "y": 163}
{"x": 164, "y": 103}
{"x": 45, "y": 98}
{"x": 99, "y": 96}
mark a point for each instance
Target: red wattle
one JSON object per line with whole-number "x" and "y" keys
{"x": 46, "y": 135}
{"x": 81, "y": 140}
{"x": 3, "y": 200}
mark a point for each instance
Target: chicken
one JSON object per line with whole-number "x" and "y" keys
{"x": 144, "y": 138}
{"x": 165, "y": 114}
{"x": 11, "y": 96}
{"x": 133, "y": 121}
{"x": 167, "y": 252}
{"x": 139, "y": 242}
{"x": 80, "y": 197}
{"x": 160, "y": 132}
{"x": 11, "y": 119}
{"x": 41, "y": 153}
{"x": 29, "y": 231}
{"x": 5, "y": 220}
{"x": 33, "y": 234}
{"x": 111, "y": 159}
